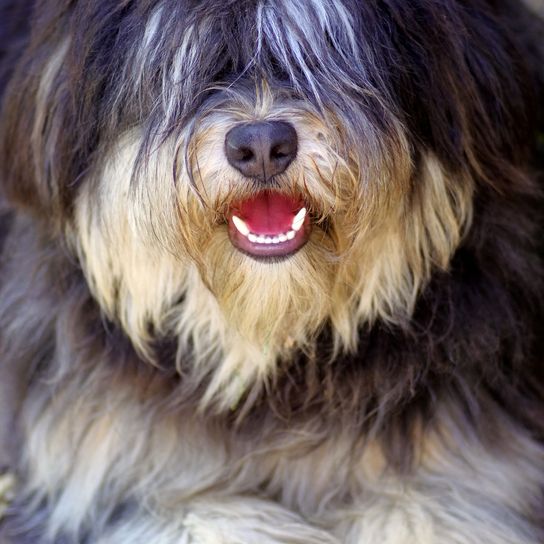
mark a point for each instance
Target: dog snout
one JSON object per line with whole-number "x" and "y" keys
{"x": 261, "y": 149}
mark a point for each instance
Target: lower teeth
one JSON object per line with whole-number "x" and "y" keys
{"x": 271, "y": 240}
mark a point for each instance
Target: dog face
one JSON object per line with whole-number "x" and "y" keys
{"x": 244, "y": 174}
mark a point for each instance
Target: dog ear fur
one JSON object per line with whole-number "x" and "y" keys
{"x": 33, "y": 110}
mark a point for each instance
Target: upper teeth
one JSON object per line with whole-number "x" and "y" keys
{"x": 240, "y": 225}
{"x": 296, "y": 225}
{"x": 299, "y": 219}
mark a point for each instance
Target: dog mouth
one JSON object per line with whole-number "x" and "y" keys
{"x": 269, "y": 224}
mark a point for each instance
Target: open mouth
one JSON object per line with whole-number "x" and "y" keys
{"x": 269, "y": 224}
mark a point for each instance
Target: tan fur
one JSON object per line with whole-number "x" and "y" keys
{"x": 145, "y": 241}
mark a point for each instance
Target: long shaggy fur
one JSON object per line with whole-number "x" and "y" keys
{"x": 383, "y": 385}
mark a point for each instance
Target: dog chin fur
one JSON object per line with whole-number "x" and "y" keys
{"x": 381, "y": 385}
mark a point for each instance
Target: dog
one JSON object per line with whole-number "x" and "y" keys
{"x": 271, "y": 272}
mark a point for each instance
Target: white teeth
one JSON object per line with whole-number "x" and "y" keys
{"x": 299, "y": 220}
{"x": 240, "y": 225}
{"x": 243, "y": 229}
{"x": 260, "y": 239}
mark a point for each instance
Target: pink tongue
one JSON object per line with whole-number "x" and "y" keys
{"x": 268, "y": 213}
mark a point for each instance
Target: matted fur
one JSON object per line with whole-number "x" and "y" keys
{"x": 381, "y": 386}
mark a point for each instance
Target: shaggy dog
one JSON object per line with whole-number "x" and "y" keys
{"x": 270, "y": 272}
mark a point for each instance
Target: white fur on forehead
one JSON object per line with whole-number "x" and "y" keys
{"x": 314, "y": 42}
{"x": 294, "y": 30}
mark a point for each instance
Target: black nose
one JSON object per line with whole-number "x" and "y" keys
{"x": 262, "y": 149}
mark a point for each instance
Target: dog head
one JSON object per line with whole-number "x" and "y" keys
{"x": 241, "y": 175}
